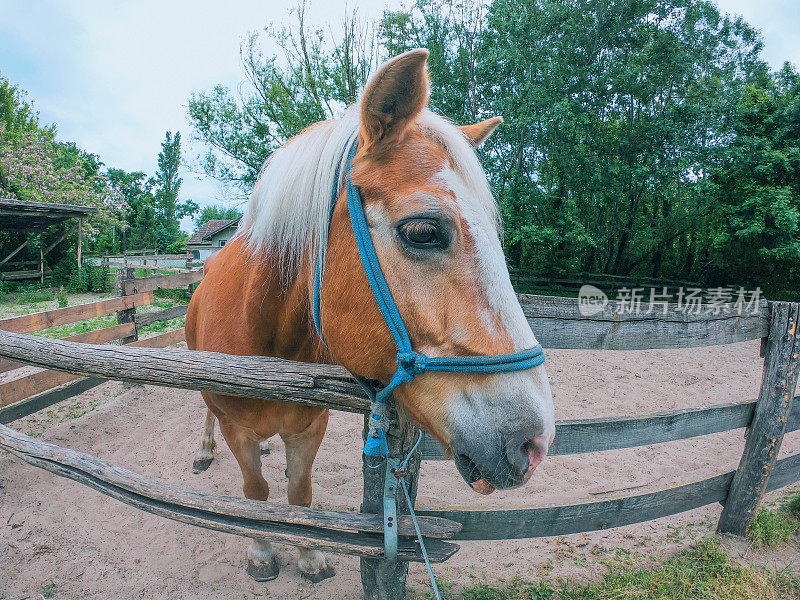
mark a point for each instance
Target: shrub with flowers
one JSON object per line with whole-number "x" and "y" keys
{"x": 30, "y": 170}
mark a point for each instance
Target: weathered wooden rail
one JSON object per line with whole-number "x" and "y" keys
{"x": 335, "y": 531}
{"x": 558, "y": 323}
{"x": 37, "y": 389}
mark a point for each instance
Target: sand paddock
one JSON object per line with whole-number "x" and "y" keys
{"x": 91, "y": 546}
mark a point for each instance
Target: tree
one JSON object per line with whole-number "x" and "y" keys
{"x": 641, "y": 137}
{"x": 168, "y": 209}
{"x": 757, "y": 222}
{"x": 139, "y": 230}
{"x": 215, "y": 211}
{"x": 616, "y": 114}
{"x": 16, "y": 113}
{"x": 310, "y": 82}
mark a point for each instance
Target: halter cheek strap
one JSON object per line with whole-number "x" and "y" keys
{"x": 409, "y": 363}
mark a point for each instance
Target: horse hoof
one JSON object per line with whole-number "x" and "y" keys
{"x": 263, "y": 571}
{"x": 264, "y": 446}
{"x": 328, "y": 571}
{"x": 201, "y": 464}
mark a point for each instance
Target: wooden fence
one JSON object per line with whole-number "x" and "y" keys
{"x": 534, "y": 282}
{"x": 145, "y": 259}
{"x": 558, "y": 323}
{"x": 31, "y": 393}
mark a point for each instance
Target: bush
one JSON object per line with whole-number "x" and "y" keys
{"x": 176, "y": 247}
{"x": 78, "y": 282}
{"x": 63, "y": 301}
{"x": 89, "y": 279}
{"x": 99, "y": 279}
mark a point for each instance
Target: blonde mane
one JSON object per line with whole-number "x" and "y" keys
{"x": 290, "y": 208}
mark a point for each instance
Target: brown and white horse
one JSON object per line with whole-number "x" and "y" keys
{"x": 435, "y": 228}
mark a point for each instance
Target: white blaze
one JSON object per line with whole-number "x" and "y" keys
{"x": 492, "y": 270}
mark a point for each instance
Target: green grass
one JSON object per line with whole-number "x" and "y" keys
{"x": 776, "y": 526}
{"x": 179, "y": 295}
{"x": 48, "y": 588}
{"x": 34, "y": 296}
{"x": 160, "y": 326}
{"x": 80, "y": 327}
{"x": 704, "y": 572}
{"x": 26, "y": 295}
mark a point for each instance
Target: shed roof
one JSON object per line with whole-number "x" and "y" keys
{"x": 210, "y": 229}
{"x": 22, "y": 214}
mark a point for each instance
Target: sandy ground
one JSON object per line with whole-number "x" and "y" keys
{"x": 80, "y": 544}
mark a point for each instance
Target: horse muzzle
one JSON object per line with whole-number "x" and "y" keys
{"x": 501, "y": 429}
{"x": 508, "y": 463}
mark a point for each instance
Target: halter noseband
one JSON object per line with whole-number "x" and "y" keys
{"x": 409, "y": 363}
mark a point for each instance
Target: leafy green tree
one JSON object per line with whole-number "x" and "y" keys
{"x": 756, "y": 233}
{"x": 216, "y": 211}
{"x": 615, "y": 113}
{"x": 169, "y": 210}
{"x": 310, "y": 82}
{"x": 140, "y": 227}
{"x": 641, "y": 137}
{"x": 16, "y": 113}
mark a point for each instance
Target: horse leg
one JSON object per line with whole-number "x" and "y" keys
{"x": 301, "y": 449}
{"x": 261, "y": 563}
{"x": 205, "y": 455}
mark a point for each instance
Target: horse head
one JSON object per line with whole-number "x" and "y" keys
{"x": 436, "y": 232}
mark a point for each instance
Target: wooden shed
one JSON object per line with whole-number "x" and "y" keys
{"x": 33, "y": 218}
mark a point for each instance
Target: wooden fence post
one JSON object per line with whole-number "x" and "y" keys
{"x": 765, "y": 433}
{"x": 191, "y": 287}
{"x": 122, "y": 275}
{"x": 381, "y": 579}
{"x": 80, "y": 243}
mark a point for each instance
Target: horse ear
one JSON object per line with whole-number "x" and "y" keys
{"x": 394, "y": 97}
{"x": 478, "y": 132}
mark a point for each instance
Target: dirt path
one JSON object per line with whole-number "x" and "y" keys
{"x": 89, "y": 546}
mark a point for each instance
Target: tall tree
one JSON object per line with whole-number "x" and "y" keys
{"x": 139, "y": 231}
{"x": 169, "y": 210}
{"x": 756, "y": 230}
{"x": 616, "y": 111}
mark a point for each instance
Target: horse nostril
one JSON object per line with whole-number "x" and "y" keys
{"x": 536, "y": 450}
{"x": 517, "y": 455}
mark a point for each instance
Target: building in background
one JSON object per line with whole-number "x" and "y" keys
{"x": 211, "y": 237}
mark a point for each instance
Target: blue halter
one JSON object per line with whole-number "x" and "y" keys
{"x": 409, "y": 363}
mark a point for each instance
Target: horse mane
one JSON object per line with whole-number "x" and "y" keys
{"x": 290, "y": 207}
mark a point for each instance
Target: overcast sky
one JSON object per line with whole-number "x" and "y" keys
{"x": 115, "y": 75}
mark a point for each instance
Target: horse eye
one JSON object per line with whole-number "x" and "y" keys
{"x": 420, "y": 234}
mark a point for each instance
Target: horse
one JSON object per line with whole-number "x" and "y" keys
{"x": 436, "y": 231}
